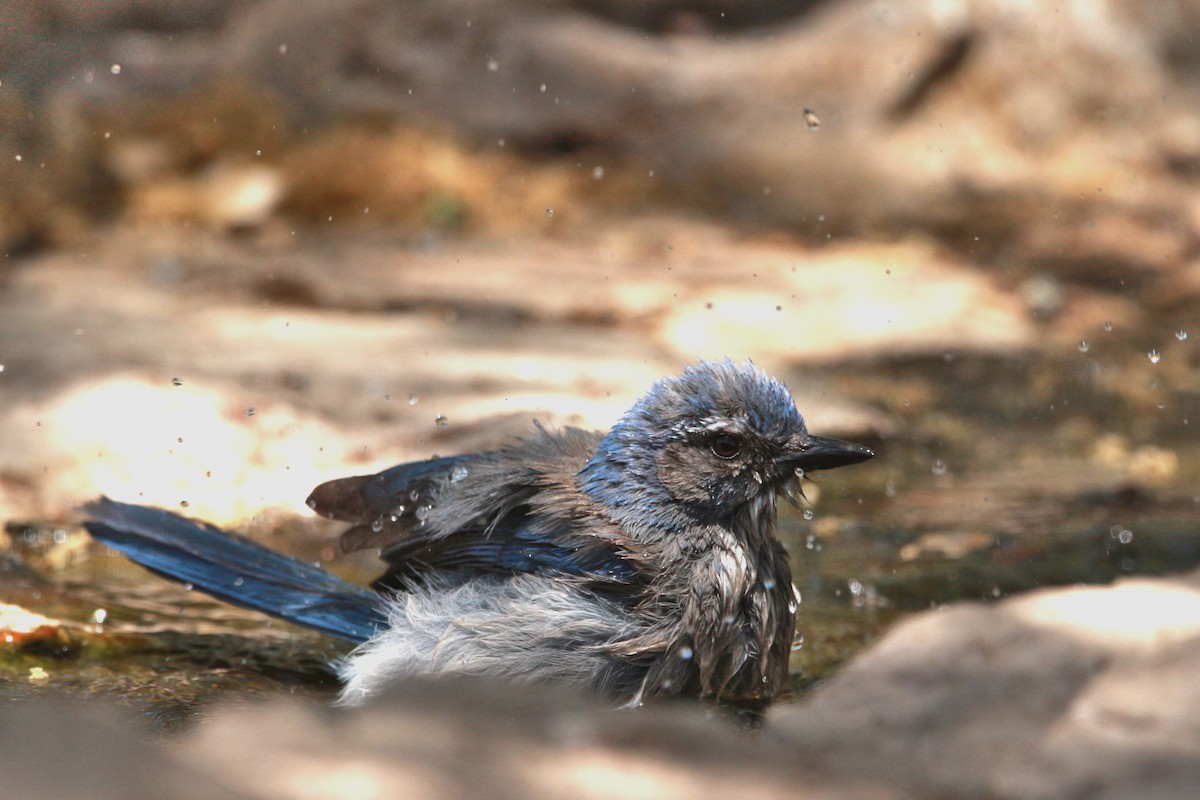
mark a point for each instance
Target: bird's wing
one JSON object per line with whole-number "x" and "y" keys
{"x": 516, "y": 509}
{"x": 384, "y": 506}
{"x": 604, "y": 565}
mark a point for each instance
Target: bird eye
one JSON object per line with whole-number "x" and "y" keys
{"x": 725, "y": 446}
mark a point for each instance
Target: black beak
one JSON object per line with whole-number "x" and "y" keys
{"x": 821, "y": 452}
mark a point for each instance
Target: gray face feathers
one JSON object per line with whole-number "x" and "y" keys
{"x": 700, "y": 446}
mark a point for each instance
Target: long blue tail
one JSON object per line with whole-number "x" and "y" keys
{"x": 234, "y": 569}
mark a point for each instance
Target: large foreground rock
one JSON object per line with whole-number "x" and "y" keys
{"x": 1087, "y": 692}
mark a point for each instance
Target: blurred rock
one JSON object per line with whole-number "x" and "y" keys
{"x": 474, "y": 739}
{"x": 225, "y": 196}
{"x": 425, "y": 739}
{"x": 53, "y": 749}
{"x": 1063, "y": 139}
{"x": 1063, "y": 693}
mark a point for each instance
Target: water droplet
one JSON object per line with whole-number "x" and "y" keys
{"x": 238, "y": 581}
{"x": 939, "y": 467}
{"x": 458, "y": 473}
{"x": 549, "y": 212}
{"x": 189, "y": 586}
{"x": 422, "y": 513}
{"x": 889, "y": 489}
{"x": 1154, "y": 356}
{"x": 1083, "y": 345}
{"x": 115, "y": 69}
{"x": 177, "y": 381}
{"x": 184, "y": 504}
{"x": 598, "y": 173}
{"x": 412, "y": 399}
{"x": 799, "y": 472}
{"x": 250, "y": 411}
{"x": 808, "y": 513}
{"x": 441, "y": 421}
{"x": 377, "y": 524}
{"x": 768, "y": 584}
{"x": 811, "y": 119}
{"x": 686, "y": 653}
{"x": 283, "y": 49}
{"x": 311, "y": 503}
{"x": 493, "y": 65}
{"x": 99, "y": 615}
{"x": 1108, "y": 327}
{"x": 414, "y": 495}
{"x": 1121, "y": 534}
{"x": 397, "y": 512}
{"x": 1180, "y": 334}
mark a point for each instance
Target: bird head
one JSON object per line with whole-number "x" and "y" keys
{"x": 704, "y": 445}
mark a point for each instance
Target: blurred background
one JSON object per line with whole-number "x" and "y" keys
{"x": 251, "y": 245}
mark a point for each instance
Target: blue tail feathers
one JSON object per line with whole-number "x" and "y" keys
{"x": 236, "y": 570}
